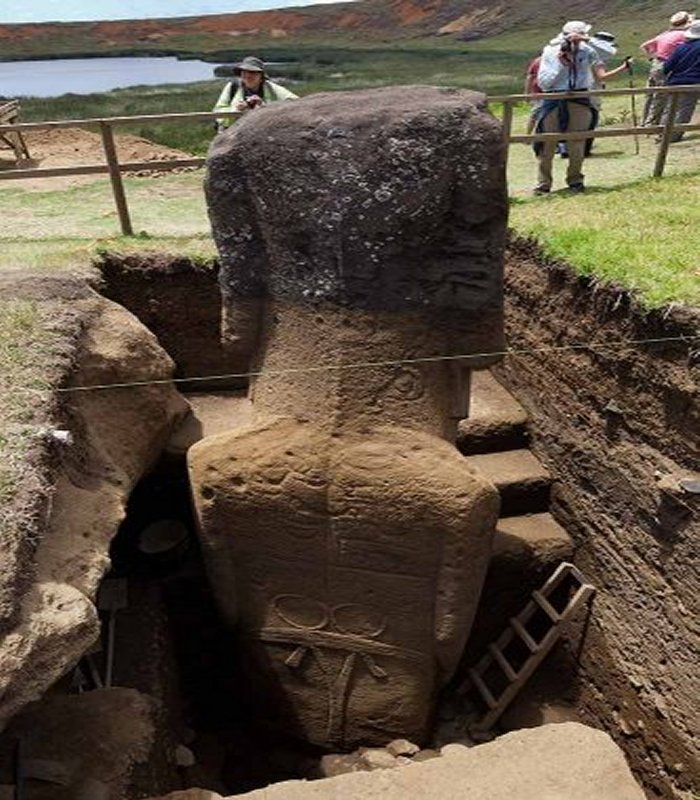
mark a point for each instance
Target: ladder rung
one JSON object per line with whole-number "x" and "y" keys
{"x": 524, "y": 635}
{"x": 560, "y": 573}
{"x": 483, "y": 688}
{"x": 546, "y": 606}
{"x": 503, "y": 662}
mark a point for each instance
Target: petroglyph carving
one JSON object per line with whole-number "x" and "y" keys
{"x": 342, "y": 531}
{"x": 315, "y": 629}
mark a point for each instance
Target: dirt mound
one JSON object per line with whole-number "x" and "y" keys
{"x": 68, "y": 147}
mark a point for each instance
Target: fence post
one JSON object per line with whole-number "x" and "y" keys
{"x": 666, "y": 136}
{"x": 115, "y": 177}
{"x": 507, "y": 126}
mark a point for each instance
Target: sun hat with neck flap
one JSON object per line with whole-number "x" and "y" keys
{"x": 693, "y": 31}
{"x": 249, "y": 64}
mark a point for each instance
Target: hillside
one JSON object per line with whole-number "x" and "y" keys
{"x": 363, "y": 20}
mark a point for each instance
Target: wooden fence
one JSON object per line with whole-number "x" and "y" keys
{"x": 665, "y": 131}
{"x": 115, "y": 168}
{"x": 9, "y": 115}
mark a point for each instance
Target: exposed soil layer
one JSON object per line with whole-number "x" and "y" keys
{"x": 618, "y": 426}
{"x": 180, "y": 302}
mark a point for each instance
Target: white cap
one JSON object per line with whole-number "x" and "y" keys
{"x": 681, "y": 19}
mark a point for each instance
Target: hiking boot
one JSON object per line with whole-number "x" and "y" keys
{"x": 540, "y": 190}
{"x": 577, "y": 188}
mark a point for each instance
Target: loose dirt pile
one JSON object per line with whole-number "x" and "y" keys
{"x": 70, "y": 147}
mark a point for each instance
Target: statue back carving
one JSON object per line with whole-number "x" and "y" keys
{"x": 361, "y": 237}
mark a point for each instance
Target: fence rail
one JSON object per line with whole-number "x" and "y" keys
{"x": 112, "y": 165}
{"x": 665, "y": 131}
{"x": 114, "y": 168}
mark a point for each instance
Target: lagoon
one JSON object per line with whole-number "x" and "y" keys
{"x": 51, "y": 78}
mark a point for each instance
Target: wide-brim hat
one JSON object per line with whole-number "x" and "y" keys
{"x": 693, "y": 32}
{"x": 249, "y": 64}
{"x": 681, "y": 19}
{"x": 604, "y": 42}
{"x": 576, "y": 26}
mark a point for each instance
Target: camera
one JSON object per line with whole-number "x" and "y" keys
{"x": 253, "y": 101}
{"x": 571, "y": 42}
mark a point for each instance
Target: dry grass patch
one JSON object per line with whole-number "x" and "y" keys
{"x": 35, "y": 347}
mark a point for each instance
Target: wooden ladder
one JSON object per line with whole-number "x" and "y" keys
{"x": 501, "y": 673}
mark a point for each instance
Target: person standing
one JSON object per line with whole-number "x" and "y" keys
{"x": 568, "y": 64}
{"x": 660, "y": 49}
{"x": 681, "y": 69}
{"x": 532, "y": 87}
{"x": 605, "y": 45}
{"x": 251, "y": 89}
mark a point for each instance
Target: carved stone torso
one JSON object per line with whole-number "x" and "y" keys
{"x": 361, "y": 239}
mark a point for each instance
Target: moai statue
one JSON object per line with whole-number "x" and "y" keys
{"x": 361, "y": 238}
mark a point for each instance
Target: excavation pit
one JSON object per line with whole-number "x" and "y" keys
{"x": 626, "y": 667}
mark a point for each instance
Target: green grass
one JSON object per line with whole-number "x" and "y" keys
{"x": 615, "y": 162}
{"x": 165, "y": 206}
{"x": 644, "y": 236}
{"x": 495, "y": 65}
{"x": 628, "y": 228}
{"x": 443, "y": 63}
{"x": 76, "y": 254}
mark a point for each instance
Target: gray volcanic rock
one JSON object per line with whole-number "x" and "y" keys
{"x": 392, "y": 198}
{"x": 553, "y": 762}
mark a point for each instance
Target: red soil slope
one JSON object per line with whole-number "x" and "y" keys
{"x": 384, "y": 19}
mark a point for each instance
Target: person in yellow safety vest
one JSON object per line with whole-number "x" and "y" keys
{"x": 250, "y": 90}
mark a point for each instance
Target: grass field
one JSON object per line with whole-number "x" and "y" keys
{"x": 492, "y": 65}
{"x": 314, "y": 70}
{"x": 626, "y": 228}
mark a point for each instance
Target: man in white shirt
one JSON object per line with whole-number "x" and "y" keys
{"x": 568, "y": 64}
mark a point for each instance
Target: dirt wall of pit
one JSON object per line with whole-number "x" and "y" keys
{"x": 618, "y": 425}
{"x": 179, "y": 301}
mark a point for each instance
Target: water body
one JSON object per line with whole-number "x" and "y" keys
{"x": 55, "y": 77}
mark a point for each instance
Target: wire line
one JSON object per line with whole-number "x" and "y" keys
{"x": 373, "y": 364}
